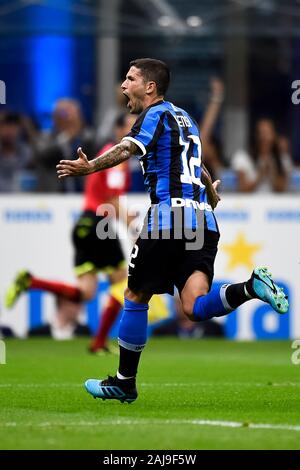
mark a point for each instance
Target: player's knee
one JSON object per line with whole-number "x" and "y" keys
{"x": 188, "y": 302}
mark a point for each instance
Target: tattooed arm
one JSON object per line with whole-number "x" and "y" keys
{"x": 82, "y": 166}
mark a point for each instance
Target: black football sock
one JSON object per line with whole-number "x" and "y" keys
{"x": 236, "y": 295}
{"x": 129, "y": 361}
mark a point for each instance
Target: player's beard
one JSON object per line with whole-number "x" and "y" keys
{"x": 135, "y": 106}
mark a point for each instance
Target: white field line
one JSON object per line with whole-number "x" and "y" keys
{"x": 170, "y": 384}
{"x": 156, "y": 422}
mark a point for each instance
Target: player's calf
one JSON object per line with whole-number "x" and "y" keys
{"x": 196, "y": 286}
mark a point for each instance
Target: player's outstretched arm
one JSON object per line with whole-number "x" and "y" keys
{"x": 82, "y": 166}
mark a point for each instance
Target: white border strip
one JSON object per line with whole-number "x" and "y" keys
{"x": 159, "y": 422}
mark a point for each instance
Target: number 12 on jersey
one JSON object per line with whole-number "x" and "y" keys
{"x": 189, "y": 166}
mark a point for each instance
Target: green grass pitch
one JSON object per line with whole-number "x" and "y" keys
{"x": 193, "y": 394}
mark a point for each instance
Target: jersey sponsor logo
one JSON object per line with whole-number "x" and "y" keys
{"x": 180, "y": 202}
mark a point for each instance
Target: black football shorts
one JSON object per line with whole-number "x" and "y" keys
{"x": 156, "y": 266}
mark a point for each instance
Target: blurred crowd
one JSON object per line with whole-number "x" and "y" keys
{"x": 28, "y": 155}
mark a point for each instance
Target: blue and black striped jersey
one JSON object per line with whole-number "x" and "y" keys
{"x": 170, "y": 145}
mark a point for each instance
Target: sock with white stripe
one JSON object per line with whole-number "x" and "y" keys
{"x": 238, "y": 294}
{"x": 132, "y": 337}
{"x": 221, "y": 301}
{"x": 213, "y": 304}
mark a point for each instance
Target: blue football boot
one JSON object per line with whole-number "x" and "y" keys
{"x": 267, "y": 291}
{"x": 112, "y": 389}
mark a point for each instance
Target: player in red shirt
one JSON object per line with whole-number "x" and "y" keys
{"x": 92, "y": 254}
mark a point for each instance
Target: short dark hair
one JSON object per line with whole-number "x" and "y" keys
{"x": 154, "y": 70}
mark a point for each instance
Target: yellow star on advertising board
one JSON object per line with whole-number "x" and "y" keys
{"x": 240, "y": 252}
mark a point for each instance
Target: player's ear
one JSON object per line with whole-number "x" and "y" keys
{"x": 151, "y": 87}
